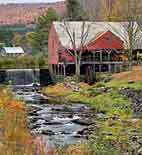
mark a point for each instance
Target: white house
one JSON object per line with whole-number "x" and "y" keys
{"x": 12, "y": 51}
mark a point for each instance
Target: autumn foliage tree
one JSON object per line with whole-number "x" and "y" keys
{"x": 16, "y": 39}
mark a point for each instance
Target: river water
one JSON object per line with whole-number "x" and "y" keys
{"x": 55, "y": 124}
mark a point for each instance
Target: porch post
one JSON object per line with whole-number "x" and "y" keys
{"x": 100, "y": 68}
{"x": 53, "y": 68}
{"x": 109, "y": 68}
{"x": 101, "y": 56}
{"x": 58, "y": 71}
{"x": 115, "y": 68}
{"x": 61, "y": 69}
{"x": 94, "y": 66}
{"x": 94, "y": 56}
{"x": 121, "y": 68}
{"x": 109, "y": 60}
{"x": 64, "y": 68}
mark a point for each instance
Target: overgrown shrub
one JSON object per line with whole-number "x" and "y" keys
{"x": 91, "y": 92}
{"x": 24, "y": 61}
{"x": 99, "y": 84}
{"x": 105, "y": 77}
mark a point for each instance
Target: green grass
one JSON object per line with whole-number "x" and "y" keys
{"x": 111, "y": 103}
{"x": 114, "y": 127}
{"x": 117, "y": 83}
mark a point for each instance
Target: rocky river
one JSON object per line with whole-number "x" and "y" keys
{"x": 56, "y": 124}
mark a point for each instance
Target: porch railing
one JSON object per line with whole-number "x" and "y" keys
{"x": 97, "y": 59}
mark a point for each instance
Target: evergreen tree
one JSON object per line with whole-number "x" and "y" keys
{"x": 39, "y": 38}
{"x": 6, "y": 36}
{"x": 75, "y": 11}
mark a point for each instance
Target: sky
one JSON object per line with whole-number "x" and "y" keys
{"x": 28, "y": 1}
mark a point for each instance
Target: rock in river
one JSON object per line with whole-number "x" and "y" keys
{"x": 52, "y": 123}
{"x": 83, "y": 131}
{"x": 47, "y": 132}
{"x": 82, "y": 121}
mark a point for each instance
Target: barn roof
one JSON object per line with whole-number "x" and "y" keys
{"x": 94, "y": 30}
{"x": 13, "y": 50}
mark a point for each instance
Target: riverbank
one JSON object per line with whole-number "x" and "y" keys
{"x": 57, "y": 128}
{"x": 14, "y": 133}
{"x": 117, "y": 107}
{"x": 101, "y": 99}
{"x": 65, "y": 109}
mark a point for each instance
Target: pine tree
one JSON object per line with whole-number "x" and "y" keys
{"x": 75, "y": 11}
{"x": 39, "y": 38}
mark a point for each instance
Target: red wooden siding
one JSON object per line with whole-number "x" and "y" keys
{"x": 53, "y": 46}
{"x": 106, "y": 41}
{"x": 67, "y": 56}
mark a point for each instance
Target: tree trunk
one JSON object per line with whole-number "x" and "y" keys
{"x": 130, "y": 59}
{"x": 77, "y": 67}
{"x": 78, "y": 71}
{"x": 130, "y": 54}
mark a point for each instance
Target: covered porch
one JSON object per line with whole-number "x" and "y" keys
{"x": 104, "y": 55}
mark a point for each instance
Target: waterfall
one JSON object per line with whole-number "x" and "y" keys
{"x": 23, "y": 76}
